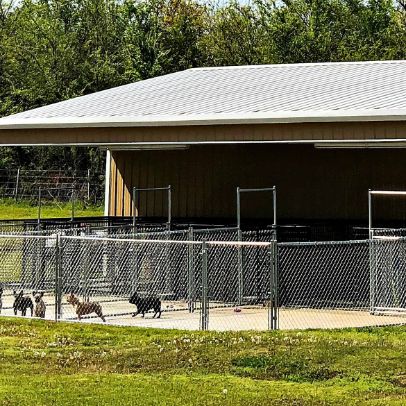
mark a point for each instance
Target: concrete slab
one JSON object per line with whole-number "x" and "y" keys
{"x": 175, "y": 315}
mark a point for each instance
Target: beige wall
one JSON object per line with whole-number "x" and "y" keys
{"x": 312, "y": 183}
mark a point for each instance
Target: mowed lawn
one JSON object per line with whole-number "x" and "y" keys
{"x": 9, "y": 209}
{"x": 44, "y": 363}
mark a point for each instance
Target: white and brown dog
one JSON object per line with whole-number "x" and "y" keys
{"x": 40, "y": 306}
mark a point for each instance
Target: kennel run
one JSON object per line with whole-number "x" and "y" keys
{"x": 212, "y": 285}
{"x": 213, "y": 279}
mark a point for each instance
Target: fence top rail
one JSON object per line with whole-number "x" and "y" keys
{"x": 388, "y": 238}
{"x": 240, "y": 243}
{"x": 265, "y": 189}
{"x": 98, "y": 238}
{"x": 142, "y": 241}
{"x": 322, "y": 243}
{"x": 205, "y": 230}
{"x": 33, "y": 236}
{"x": 388, "y": 192}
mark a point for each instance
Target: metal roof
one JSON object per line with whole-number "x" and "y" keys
{"x": 319, "y": 92}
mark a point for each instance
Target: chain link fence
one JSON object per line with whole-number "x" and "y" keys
{"x": 388, "y": 275}
{"x": 196, "y": 280}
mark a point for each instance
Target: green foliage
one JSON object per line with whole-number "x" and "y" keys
{"x": 74, "y": 364}
{"x": 53, "y": 50}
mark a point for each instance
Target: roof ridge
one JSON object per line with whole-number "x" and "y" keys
{"x": 392, "y": 61}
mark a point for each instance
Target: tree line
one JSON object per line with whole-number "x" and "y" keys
{"x": 53, "y": 50}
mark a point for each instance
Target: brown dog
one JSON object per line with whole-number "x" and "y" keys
{"x": 40, "y": 306}
{"x": 85, "y": 307}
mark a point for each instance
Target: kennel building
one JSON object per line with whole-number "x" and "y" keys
{"x": 323, "y": 133}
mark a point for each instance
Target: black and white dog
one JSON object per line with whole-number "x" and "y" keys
{"x": 22, "y": 303}
{"x": 146, "y": 303}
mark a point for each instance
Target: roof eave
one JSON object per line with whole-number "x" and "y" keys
{"x": 10, "y": 123}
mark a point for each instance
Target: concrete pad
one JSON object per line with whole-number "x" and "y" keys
{"x": 175, "y": 315}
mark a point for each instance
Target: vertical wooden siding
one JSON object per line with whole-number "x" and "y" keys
{"x": 312, "y": 183}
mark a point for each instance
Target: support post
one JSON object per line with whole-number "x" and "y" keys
{"x": 88, "y": 185}
{"x": 273, "y": 309}
{"x": 169, "y": 207}
{"x": 107, "y": 184}
{"x": 274, "y": 214}
{"x": 134, "y": 207}
{"x": 370, "y": 214}
{"x": 17, "y": 184}
{"x": 204, "y": 319}
{"x": 58, "y": 278}
{"x": 169, "y": 282}
{"x": 39, "y": 209}
{"x": 191, "y": 280}
{"x": 240, "y": 270}
{"x": 238, "y": 208}
{"x": 73, "y": 204}
{"x": 372, "y": 274}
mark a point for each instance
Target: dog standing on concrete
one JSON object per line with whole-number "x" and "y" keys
{"x": 40, "y": 306}
{"x": 83, "y": 308}
{"x": 22, "y": 303}
{"x": 146, "y": 303}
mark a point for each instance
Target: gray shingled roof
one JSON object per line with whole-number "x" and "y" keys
{"x": 357, "y": 91}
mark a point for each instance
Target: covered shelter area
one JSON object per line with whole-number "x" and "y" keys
{"x": 322, "y": 133}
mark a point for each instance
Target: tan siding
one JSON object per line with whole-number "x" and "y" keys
{"x": 312, "y": 183}
{"x": 127, "y": 177}
{"x": 113, "y": 185}
{"x": 120, "y": 185}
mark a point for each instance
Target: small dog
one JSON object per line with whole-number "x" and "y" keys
{"x": 146, "y": 303}
{"x": 40, "y": 306}
{"x": 22, "y": 303}
{"x": 85, "y": 307}
{"x": 1, "y": 297}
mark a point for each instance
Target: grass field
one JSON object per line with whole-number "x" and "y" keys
{"x": 9, "y": 209}
{"x": 43, "y": 363}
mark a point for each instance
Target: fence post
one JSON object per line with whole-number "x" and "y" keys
{"x": 134, "y": 209}
{"x": 73, "y": 204}
{"x": 372, "y": 265}
{"x": 39, "y": 209}
{"x": 204, "y": 322}
{"x": 58, "y": 278}
{"x": 190, "y": 266}
{"x": 240, "y": 275}
{"x": 169, "y": 208}
{"x": 169, "y": 283}
{"x": 88, "y": 184}
{"x": 17, "y": 184}
{"x": 273, "y": 309}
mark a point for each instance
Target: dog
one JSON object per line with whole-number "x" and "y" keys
{"x": 40, "y": 306}
{"x": 146, "y": 303}
{"x": 1, "y": 297}
{"x": 85, "y": 307}
{"x": 22, "y": 303}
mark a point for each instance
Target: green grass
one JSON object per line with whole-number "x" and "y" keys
{"x": 44, "y": 363}
{"x": 9, "y": 209}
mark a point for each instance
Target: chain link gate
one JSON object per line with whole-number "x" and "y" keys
{"x": 388, "y": 275}
{"x": 27, "y": 266}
